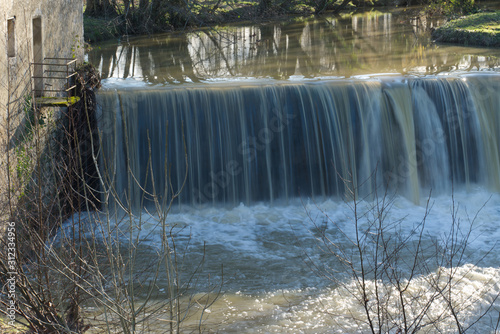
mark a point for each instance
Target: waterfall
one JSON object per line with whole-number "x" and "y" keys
{"x": 274, "y": 141}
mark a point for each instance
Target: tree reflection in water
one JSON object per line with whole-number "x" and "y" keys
{"x": 341, "y": 46}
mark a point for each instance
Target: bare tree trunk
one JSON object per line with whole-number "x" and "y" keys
{"x": 91, "y": 6}
{"x": 178, "y": 11}
{"x": 99, "y": 8}
{"x": 264, "y": 5}
{"x": 143, "y": 5}
{"x": 158, "y": 11}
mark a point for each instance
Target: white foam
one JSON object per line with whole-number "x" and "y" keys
{"x": 266, "y": 234}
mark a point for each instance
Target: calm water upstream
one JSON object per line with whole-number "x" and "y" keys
{"x": 350, "y": 45}
{"x": 281, "y": 121}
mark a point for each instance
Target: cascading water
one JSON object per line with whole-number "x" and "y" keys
{"x": 269, "y": 167}
{"x": 271, "y": 129}
{"x": 278, "y": 141}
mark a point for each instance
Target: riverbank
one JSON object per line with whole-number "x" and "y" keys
{"x": 479, "y": 29}
{"x": 482, "y": 29}
{"x": 100, "y": 29}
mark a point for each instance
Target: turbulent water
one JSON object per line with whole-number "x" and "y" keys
{"x": 269, "y": 172}
{"x": 283, "y": 177}
{"x": 279, "y": 274}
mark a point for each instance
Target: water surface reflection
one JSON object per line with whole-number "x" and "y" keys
{"x": 341, "y": 46}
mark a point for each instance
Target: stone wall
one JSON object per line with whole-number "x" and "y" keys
{"x": 61, "y": 33}
{"x": 60, "y": 24}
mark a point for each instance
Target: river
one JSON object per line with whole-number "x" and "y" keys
{"x": 323, "y": 163}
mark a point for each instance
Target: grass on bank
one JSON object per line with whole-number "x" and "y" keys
{"x": 479, "y": 29}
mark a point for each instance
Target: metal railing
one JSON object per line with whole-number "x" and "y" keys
{"x": 54, "y": 69}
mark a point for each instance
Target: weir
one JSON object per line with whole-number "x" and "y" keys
{"x": 273, "y": 141}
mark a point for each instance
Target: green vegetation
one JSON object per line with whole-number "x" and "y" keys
{"x": 452, "y": 8}
{"x": 99, "y": 29}
{"x": 106, "y": 19}
{"x": 478, "y": 29}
